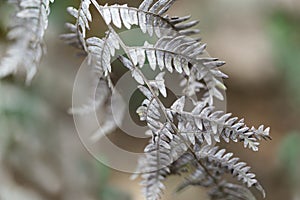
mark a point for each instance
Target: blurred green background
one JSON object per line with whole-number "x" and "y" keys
{"x": 41, "y": 156}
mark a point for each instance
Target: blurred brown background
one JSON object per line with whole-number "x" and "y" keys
{"x": 41, "y": 156}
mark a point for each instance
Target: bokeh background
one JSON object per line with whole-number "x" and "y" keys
{"x": 41, "y": 156}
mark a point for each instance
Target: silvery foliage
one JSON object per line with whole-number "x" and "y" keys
{"x": 30, "y": 22}
{"x": 183, "y": 140}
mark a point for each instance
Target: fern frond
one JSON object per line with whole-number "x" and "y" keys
{"x": 205, "y": 125}
{"x": 165, "y": 147}
{"x": 101, "y": 50}
{"x": 99, "y": 53}
{"x": 30, "y": 24}
{"x": 178, "y": 136}
{"x": 214, "y": 164}
{"x": 185, "y": 56}
{"x": 160, "y": 153}
{"x": 148, "y": 18}
{"x": 222, "y": 162}
{"x": 77, "y": 34}
{"x": 156, "y": 169}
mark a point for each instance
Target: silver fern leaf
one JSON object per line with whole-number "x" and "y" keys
{"x": 156, "y": 169}
{"x": 222, "y": 162}
{"x": 217, "y": 162}
{"x": 180, "y": 138}
{"x": 186, "y": 56}
{"x": 200, "y": 125}
{"x": 204, "y": 124}
{"x": 101, "y": 50}
{"x": 30, "y": 24}
{"x": 149, "y": 18}
{"x": 77, "y": 34}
